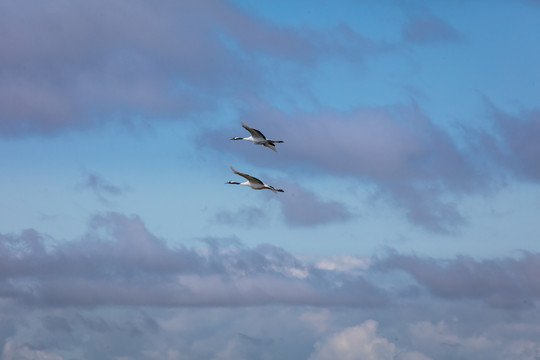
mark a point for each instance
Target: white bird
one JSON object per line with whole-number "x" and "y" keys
{"x": 252, "y": 182}
{"x": 257, "y": 138}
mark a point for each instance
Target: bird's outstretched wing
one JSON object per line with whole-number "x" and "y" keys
{"x": 254, "y": 132}
{"x": 248, "y": 177}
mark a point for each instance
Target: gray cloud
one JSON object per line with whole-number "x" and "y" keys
{"x": 101, "y": 187}
{"x": 414, "y": 163}
{"x": 78, "y": 64}
{"x": 419, "y": 329}
{"x": 430, "y": 29}
{"x": 514, "y": 145}
{"x": 503, "y": 283}
{"x": 301, "y": 207}
{"x": 120, "y": 263}
{"x": 120, "y": 291}
{"x": 250, "y": 216}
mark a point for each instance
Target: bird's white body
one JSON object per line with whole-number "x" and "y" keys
{"x": 253, "y": 182}
{"x": 253, "y": 185}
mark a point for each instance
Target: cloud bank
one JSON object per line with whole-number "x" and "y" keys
{"x": 119, "y": 262}
{"x": 389, "y": 306}
{"x": 78, "y": 64}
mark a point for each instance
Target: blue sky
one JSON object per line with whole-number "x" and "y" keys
{"x": 408, "y": 228}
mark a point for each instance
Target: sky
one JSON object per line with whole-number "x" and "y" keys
{"x": 408, "y": 226}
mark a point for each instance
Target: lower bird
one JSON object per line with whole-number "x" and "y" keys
{"x": 252, "y": 182}
{"x": 257, "y": 138}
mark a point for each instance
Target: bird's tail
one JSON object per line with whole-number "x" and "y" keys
{"x": 274, "y": 189}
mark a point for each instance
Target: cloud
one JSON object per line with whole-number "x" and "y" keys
{"x": 100, "y": 186}
{"x": 130, "y": 292}
{"x": 344, "y": 263}
{"x": 413, "y": 163}
{"x": 248, "y": 347}
{"x": 514, "y": 144}
{"x": 425, "y": 207}
{"x": 501, "y": 283}
{"x": 417, "y": 330}
{"x": 441, "y": 335}
{"x": 14, "y": 351}
{"x": 250, "y": 216}
{"x": 446, "y": 339}
{"x": 411, "y": 355}
{"x": 358, "y": 342}
{"x": 411, "y": 160}
{"x": 429, "y": 29}
{"x": 80, "y": 64}
{"x": 301, "y": 207}
{"x": 119, "y": 262}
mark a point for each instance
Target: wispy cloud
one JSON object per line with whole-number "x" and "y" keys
{"x": 514, "y": 144}
{"x": 301, "y": 207}
{"x": 100, "y": 186}
{"x": 250, "y": 216}
{"x": 430, "y": 29}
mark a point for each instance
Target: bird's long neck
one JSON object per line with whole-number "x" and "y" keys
{"x": 245, "y": 183}
{"x": 240, "y": 138}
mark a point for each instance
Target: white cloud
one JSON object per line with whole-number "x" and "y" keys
{"x": 412, "y": 355}
{"x": 357, "y": 342}
{"x": 14, "y": 351}
{"x": 344, "y": 263}
{"x": 317, "y": 319}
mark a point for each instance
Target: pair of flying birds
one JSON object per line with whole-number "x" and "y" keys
{"x": 257, "y": 138}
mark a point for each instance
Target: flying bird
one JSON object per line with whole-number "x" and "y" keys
{"x": 252, "y": 182}
{"x": 257, "y": 138}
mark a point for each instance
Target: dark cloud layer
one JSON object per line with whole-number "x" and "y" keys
{"x": 119, "y": 262}
{"x": 76, "y": 64}
{"x": 120, "y": 291}
{"x": 504, "y": 283}
{"x": 68, "y": 65}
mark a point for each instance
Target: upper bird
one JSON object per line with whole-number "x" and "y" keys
{"x": 258, "y": 138}
{"x": 252, "y": 182}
